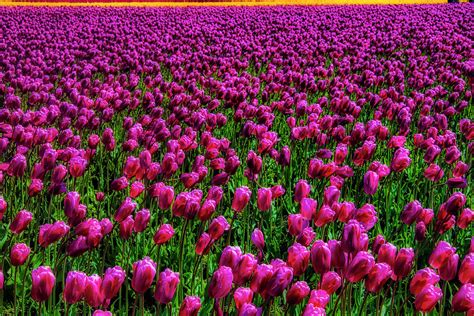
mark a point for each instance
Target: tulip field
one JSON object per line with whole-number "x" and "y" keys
{"x": 281, "y": 160}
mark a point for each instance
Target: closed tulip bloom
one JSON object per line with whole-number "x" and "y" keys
{"x": 166, "y": 286}
{"x": 298, "y": 258}
{"x": 403, "y": 262}
{"x": 2, "y": 280}
{"x": 420, "y": 231}
{"x": 311, "y": 310}
{"x": 190, "y": 306}
{"x": 217, "y": 227}
{"x": 230, "y": 257}
{"x": 449, "y": 269}
{"x": 277, "y": 191}
{"x": 72, "y": 200}
{"x": 136, "y": 189}
{"x": 296, "y": 224}
{"x": 21, "y": 221}
{"x": 308, "y": 208}
{"x": 242, "y": 295}
{"x": 119, "y": 184}
{"x": 221, "y": 282}
{"x": 359, "y": 267}
{"x": 320, "y": 257}
{"x": 203, "y": 244}
{"x": 371, "y": 182}
{"x": 77, "y": 167}
{"x": 264, "y": 199}
{"x": 165, "y": 197}
{"x": 245, "y": 268}
{"x": 125, "y": 209}
{"x": 433, "y": 173}
{"x": 431, "y": 153}
{"x": 92, "y": 291}
{"x": 426, "y": 300}
{"x": 377, "y": 277}
{"x": 163, "y": 234}
{"x": 3, "y": 207}
{"x": 457, "y": 183}
{"x": 74, "y": 287}
{"x": 352, "y": 237}
{"x": 302, "y": 190}
{"x": 126, "y": 227}
{"x": 455, "y": 203}
{"x": 441, "y": 254}
{"x": 297, "y": 293}
{"x": 421, "y": 279}
{"x": 241, "y": 198}
{"x": 144, "y": 272}
{"x": 306, "y": 237}
{"x": 50, "y": 233}
{"x": 330, "y": 282}
{"x": 19, "y": 254}
{"x": 378, "y": 242}
{"x": 463, "y": 300}
{"x": 411, "y": 212}
{"x": 279, "y": 281}
{"x": 258, "y": 239}
{"x": 387, "y": 253}
{"x": 42, "y": 283}
{"x": 207, "y": 209}
{"x": 17, "y": 166}
{"x": 319, "y": 298}
{"x": 401, "y": 160}
{"x": 452, "y": 154}
{"x": 466, "y": 271}
{"x": 249, "y": 309}
{"x": 35, "y": 187}
{"x": 366, "y": 216}
{"x": 142, "y": 218}
{"x": 99, "y": 196}
{"x": 346, "y": 211}
{"x": 112, "y": 281}
{"x": 338, "y": 256}
{"x": 325, "y": 215}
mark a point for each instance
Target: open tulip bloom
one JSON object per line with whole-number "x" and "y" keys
{"x": 267, "y": 160}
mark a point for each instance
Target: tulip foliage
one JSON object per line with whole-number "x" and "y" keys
{"x": 240, "y": 161}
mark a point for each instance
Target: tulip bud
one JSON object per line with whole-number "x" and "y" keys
{"x": 297, "y": 292}
{"x": 258, "y": 239}
{"x": 126, "y": 227}
{"x": 241, "y": 198}
{"x": 21, "y": 222}
{"x": 387, "y": 253}
{"x": 463, "y": 300}
{"x": 42, "y": 283}
{"x": 50, "y": 233}
{"x": 142, "y": 218}
{"x": 92, "y": 291}
{"x": 371, "y": 182}
{"x": 330, "y": 282}
{"x": 221, "y": 282}
{"x": 166, "y": 286}
{"x": 143, "y": 274}
{"x": 3, "y": 207}
{"x": 190, "y": 306}
{"x": 19, "y": 254}
{"x": 163, "y": 234}
{"x": 74, "y": 287}
{"x": 319, "y": 298}
{"x": 217, "y": 227}
{"x": 377, "y": 277}
{"x": 264, "y": 199}
{"x": 449, "y": 269}
{"x": 321, "y": 257}
{"x": 298, "y": 258}
{"x": 112, "y": 281}
{"x": 35, "y": 187}
{"x": 411, "y": 212}
{"x": 426, "y": 300}
{"x": 359, "y": 267}
{"x": 302, "y": 190}
{"x": 421, "y": 279}
{"x": 441, "y": 254}
{"x": 242, "y": 295}
{"x": 279, "y": 281}
{"x": 125, "y": 210}
{"x": 403, "y": 262}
